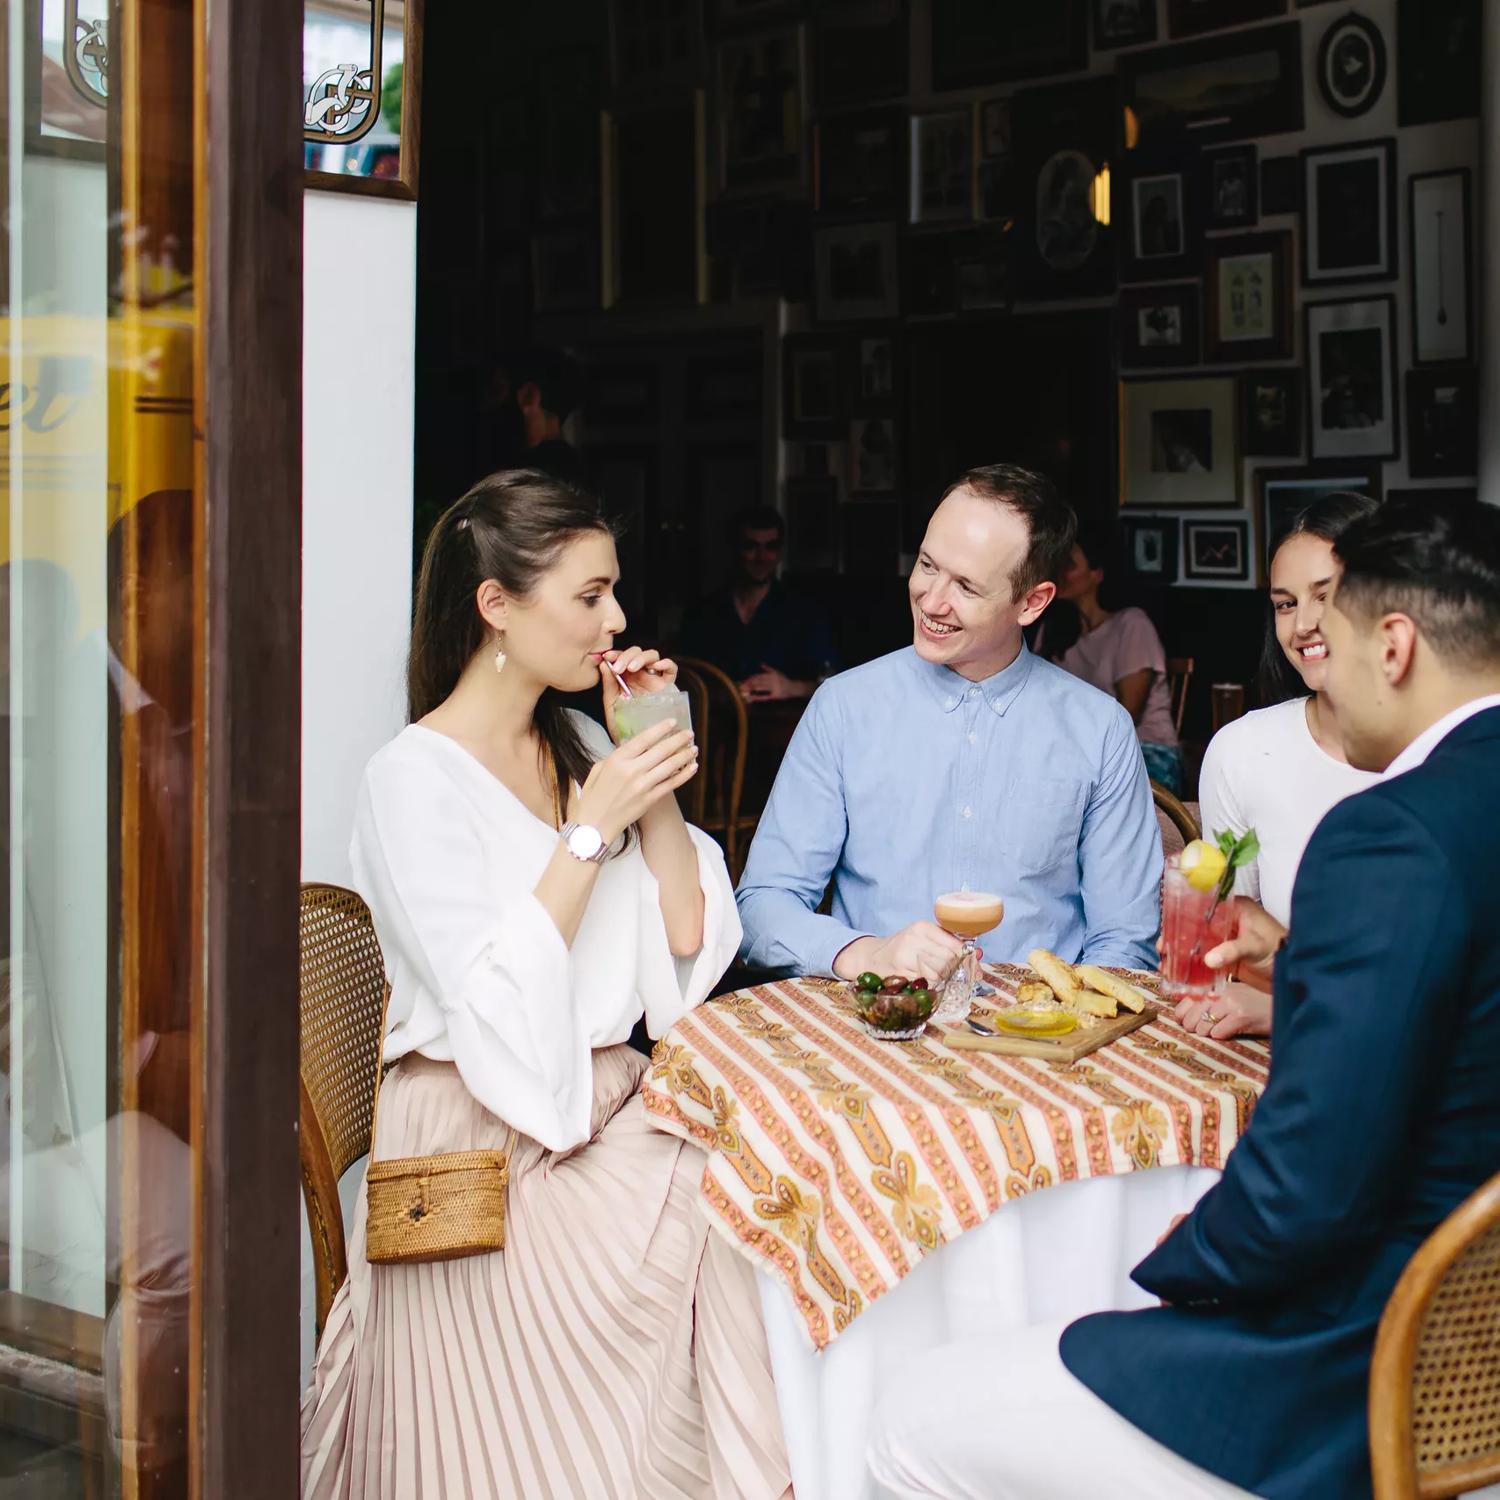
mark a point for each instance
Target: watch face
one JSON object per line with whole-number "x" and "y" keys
{"x": 585, "y": 842}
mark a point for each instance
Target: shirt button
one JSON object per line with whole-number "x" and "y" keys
{"x": 968, "y": 812}
{"x": 973, "y": 692}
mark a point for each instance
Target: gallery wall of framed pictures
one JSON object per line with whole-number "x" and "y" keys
{"x": 1278, "y": 220}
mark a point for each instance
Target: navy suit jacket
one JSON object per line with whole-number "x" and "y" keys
{"x": 1381, "y": 1114}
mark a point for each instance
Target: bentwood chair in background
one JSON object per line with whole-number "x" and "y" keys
{"x": 1178, "y": 821}
{"x": 342, "y": 999}
{"x": 1435, "y": 1376}
{"x": 723, "y": 730}
{"x": 693, "y": 798}
{"x": 1179, "y": 675}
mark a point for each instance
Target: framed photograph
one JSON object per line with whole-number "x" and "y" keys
{"x": 1283, "y": 494}
{"x": 1349, "y": 213}
{"x": 1280, "y": 186}
{"x": 861, "y": 54}
{"x": 1064, "y": 136}
{"x": 1123, "y": 23}
{"x": 1178, "y": 443}
{"x": 1194, "y": 17}
{"x": 811, "y": 517}
{"x": 872, "y": 456}
{"x": 760, "y": 111}
{"x": 1220, "y": 88}
{"x": 1150, "y": 547}
{"x": 1351, "y": 65}
{"x": 977, "y": 42}
{"x": 997, "y": 163}
{"x": 655, "y": 46}
{"x": 857, "y": 163}
{"x": 1271, "y": 413}
{"x": 1442, "y": 280}
{"x": 855, "y": 272}
{"x": 874, "y": 370}
{"x": 984, "y": 278}
{"x": 1159, "y": 325}
{"x": 1248, "y": 283}
{"x": 360, "y": 104}
{"x": 1442, "y": 423}
{"x": 1351, "y": 382}
{"x": 625, "y": 394}
{"x": 1159, "y": 225}
{"x": 1216, "y": 552}
{"x": 1440, "y": 43}
{"x": 942, "y": 167}
{"x": 1231, "y": 188}
{"x": 813, "y": 401}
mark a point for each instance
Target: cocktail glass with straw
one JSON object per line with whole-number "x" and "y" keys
{"x": 967, "y": 915}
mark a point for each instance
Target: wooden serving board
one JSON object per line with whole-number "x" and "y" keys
{"x": 1063, "y": 1049}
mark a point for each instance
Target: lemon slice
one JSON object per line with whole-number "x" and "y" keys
{"x": 1203, "y": 864}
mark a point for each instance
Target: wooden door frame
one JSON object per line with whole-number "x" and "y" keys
{"x": 247, "y": 1306}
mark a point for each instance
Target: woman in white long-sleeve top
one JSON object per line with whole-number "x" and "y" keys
{"x": 536, "y": 891}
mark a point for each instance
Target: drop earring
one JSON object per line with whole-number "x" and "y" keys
{"x": 499, "y": 653}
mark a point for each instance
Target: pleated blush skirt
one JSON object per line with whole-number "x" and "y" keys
{"x": 614, "y": 1348}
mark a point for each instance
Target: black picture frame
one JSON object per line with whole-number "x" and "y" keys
{"x": 1282, "y": 494}
{"x": 859, "y": 163}
{"x": 814, "y": 386}
{"x": 985, "y": 275}
{"x": 1349, "y": 213}
{"x": 1247, "y": 288}
{"x": 977, "y": 42}
{"x": 1180, "y": 92}
{"x": 1160, "y": 326}
{"x": 1160, "y": 225}
{"x": 1441, "y": 255}
{"x": 1351, "y": 65}
{"x": 1442, "y": 422}
{"x": 1229, "y": 187}
{"x": 1064, "y": 135}
{"x": 861, "y": 54}
{"x": 996, "y": 192}
{"x": 1353, "y": 397}
{"x": 857, "y": 273}
{"x": 1271, "y": 407}
{"x": 760, "y": 78}
{"x": 1215, "y": 551}
{"x": 1187, "y": 18}
{"x": 873, "y": 364}
{"x": 1440, "y": 44}
{"x": 1149, "y": 546}
{"x": 942, "y": 167}
{"x": 1123, "y": 23}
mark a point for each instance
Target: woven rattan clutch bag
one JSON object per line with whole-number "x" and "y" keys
{"x": 433, "y": 1207}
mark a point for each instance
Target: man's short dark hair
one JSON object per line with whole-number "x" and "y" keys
{"x": 555, "y": 374}
{"x": 1049, "y": 518}
{"x": 1435, "y": 559}
{"x": 755, "y": 518}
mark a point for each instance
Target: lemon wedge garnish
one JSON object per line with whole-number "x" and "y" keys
{"x": 1203, "y": 864}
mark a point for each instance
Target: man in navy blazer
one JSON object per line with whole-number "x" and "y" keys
{"x": 1381, "y": 1115}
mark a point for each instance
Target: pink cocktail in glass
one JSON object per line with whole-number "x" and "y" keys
{"x": 1193, "y": 923}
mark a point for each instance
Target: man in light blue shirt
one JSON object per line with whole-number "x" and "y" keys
{"x": 963, "y": 762}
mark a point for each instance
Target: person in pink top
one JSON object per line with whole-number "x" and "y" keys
{"x": 1120, "y": 653}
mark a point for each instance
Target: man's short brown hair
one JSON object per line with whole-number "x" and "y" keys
{"x": 1050, "y": 520}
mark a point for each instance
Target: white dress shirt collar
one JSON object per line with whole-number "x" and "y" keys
{"x": 1431, "y": 737}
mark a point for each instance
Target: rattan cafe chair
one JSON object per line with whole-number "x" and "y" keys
{"x": 342, "y": 1001}
{"x": 1435, "y": 1376}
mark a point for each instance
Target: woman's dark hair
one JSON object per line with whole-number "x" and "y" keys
{"x": 510, "y": 527}
{"x": 1062, "y": 624}
{"x": 1328, "y": 517}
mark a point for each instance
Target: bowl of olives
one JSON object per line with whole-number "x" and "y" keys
{"x": 893, "y": 1008}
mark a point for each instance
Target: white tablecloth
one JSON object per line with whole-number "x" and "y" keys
{"x": 1055, "y": 1254}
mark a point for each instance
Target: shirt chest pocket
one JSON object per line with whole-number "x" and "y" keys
{"x": 1041, "y": 820}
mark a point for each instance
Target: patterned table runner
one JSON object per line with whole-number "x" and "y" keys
{"x": 841, "y": 1160}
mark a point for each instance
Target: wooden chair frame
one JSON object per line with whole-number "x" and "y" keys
{"x": 1405, "y": 1330}
{"x": 1177, "y": 813}
{"x": 725, "y": 821}
{"x": 1179, "y": 675}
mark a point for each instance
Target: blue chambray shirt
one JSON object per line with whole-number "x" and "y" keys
{"x": 905, "y": 780}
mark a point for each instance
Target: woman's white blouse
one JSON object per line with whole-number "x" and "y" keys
{"x": 447, "y": 859}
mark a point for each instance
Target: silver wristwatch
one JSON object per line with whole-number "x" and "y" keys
{"x": 584, "y": 843}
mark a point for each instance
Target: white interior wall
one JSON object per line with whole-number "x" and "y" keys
{"x": 359, "y": 331}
